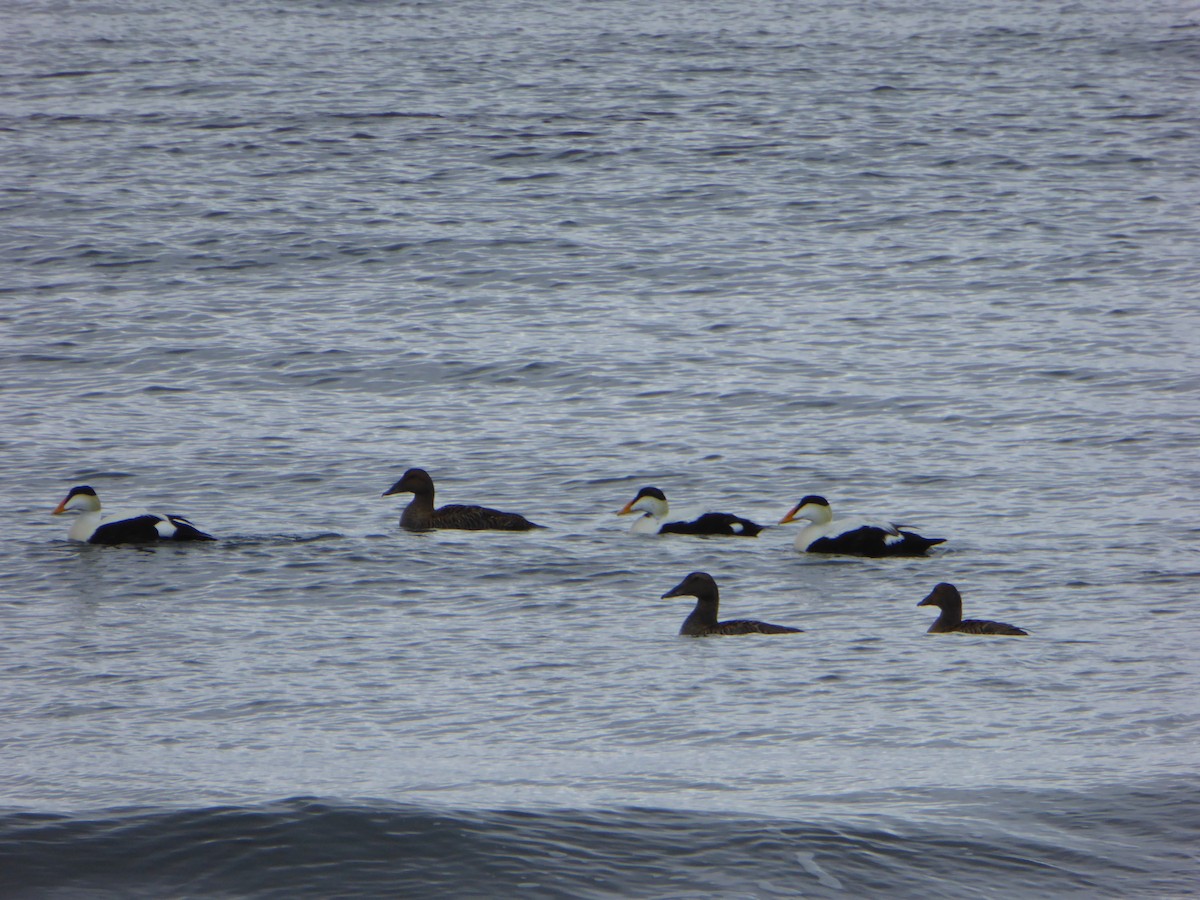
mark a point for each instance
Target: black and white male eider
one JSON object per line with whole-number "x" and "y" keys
{"x": 92, "y": 527}
{"x": 854, "y": 538}
{"x": 703, "y": 619}
{"x": 420, "y": 514}
{"x": 652, "y": 504}
{"x": 947, "y": 598}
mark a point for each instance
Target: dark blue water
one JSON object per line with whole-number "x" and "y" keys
{"x": 936, "y": 264}
{"x": 1067, "y": 846}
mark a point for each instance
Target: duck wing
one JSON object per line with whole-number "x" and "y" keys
{"x": 912, "y": 544}
{"x": 717, "y": 524}
{"x": 983, "y": 626}
{"x": 874, "y": 540}
{"x": 480, "y": 518}
{"x": 147, "y": 528}
{"x": 750, "y": 626}
{"x": 141, "y": 529}
{"x": 177, "y": 528}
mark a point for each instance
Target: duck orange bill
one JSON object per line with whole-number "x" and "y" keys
{"x": 627, "y": 508}
{"x": 791, "y": 515}
{"x": 60, "y": 509}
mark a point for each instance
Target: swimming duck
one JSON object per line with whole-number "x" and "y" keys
{"x": 947, "y": 598}
{"x": 420, "y": 515}
{"x": 703, "y": 619}
{"x": 652, "y": 504}
{"x": 91, "y": 527}
{"x": 855, "y": 538}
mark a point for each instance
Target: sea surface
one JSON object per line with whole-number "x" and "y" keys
{"x": 935, "y": 261}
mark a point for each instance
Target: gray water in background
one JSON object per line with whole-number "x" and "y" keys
{"x": 937, "y": 264}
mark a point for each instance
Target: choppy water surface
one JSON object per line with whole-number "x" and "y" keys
{"x": 936, "y": 264}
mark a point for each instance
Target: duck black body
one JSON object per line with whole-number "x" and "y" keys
{"x": 91, "y": 527}
{"x": 652, "y": 504}
{"x": 714, "y": 524}
{"x": 420, "y": 514}
{"x": 703, "y": 619}
{"x": 947, "y": 598}
{"x": 853, "y": 539}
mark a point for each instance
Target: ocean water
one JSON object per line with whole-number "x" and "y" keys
{"x": 936, "y": 262}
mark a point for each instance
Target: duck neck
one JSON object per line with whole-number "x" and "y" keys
{"x": 418, "y": 515}
{"x": 702, "y": 618}
{"x": 809, "y": 533}
{"x": 646, "y": 523}
{"x": 949, "y": 619}
{"x": 85, "y": 523}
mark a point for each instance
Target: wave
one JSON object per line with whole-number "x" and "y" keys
{"x": 1011, "y": 844}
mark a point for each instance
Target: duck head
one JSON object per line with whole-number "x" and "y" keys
{"x": 80, "y": 498}
{"x": 813, "y": 507}
{"x": 650, "y": 501}
{"x": 414, "y": 481}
